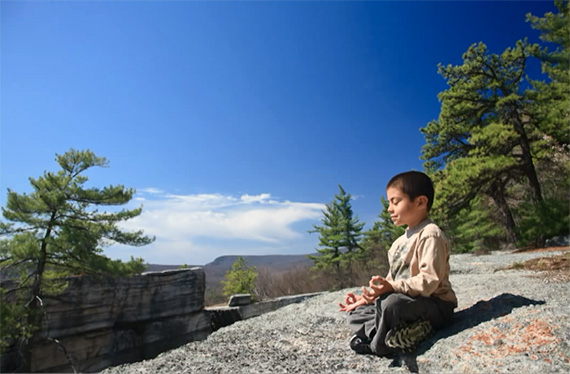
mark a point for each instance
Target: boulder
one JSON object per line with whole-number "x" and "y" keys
{"x": 240, "y": 299}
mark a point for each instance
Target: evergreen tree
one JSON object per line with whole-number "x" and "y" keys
{"x": 55, "y": 231}
{"x": 485, "y": 139}
{"x": 550, "y": 104}
{"x": 551, "y": 100}
{"x": 377, "y": 241}
{"x": 501, "y": 135}
{"x": 240, "y": 278}
{"x": 384, "y": 232}
{"x": 340, "y": 234}
{"x": 474, "y": 228}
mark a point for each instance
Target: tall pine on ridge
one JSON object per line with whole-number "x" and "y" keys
{"x": 502, "y": 138}
{"x": 339, "y": 237}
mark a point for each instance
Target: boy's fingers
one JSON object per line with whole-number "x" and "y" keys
{"x": 376, "y": 279}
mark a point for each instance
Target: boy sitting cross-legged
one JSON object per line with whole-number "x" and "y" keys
{"x": 416, "y": 297}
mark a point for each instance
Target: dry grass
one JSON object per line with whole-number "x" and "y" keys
{"x": 553, "y": 268}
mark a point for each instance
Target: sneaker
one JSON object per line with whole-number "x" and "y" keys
{"x": 360, "y": 345}
{"x": 407, "y": 336}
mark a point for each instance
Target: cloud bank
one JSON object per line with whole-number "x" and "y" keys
{"x": 195, "y": 229}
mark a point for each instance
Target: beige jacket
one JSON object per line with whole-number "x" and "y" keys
{"x": 419, "y": 263}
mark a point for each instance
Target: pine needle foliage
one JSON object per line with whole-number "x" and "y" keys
{"x": 383, "y": 232}
{"x": 551, "y": 98}
{"x": 499, "y": 135}
{"x": 240, "y": 279}
{"x": 55, "y": 231}
{"x": 339, "y": 237}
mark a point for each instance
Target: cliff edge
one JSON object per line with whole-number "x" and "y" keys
{"x": 508, "y": 320}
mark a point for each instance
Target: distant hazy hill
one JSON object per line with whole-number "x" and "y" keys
{"x": 274, "y": 262}
{"x": 216, "y": 269}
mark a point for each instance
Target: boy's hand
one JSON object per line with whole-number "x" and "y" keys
{"x": 351, "y": 302}
{"x": 379, "y": 286}
{"x": 351, "y": 298}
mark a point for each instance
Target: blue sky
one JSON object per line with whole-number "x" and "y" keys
{"x": 235, "y": 121}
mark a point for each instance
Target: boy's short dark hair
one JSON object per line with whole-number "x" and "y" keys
{"x": 414, "y": 184}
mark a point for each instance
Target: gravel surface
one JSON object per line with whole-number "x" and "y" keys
{"x": 507, "y": 321}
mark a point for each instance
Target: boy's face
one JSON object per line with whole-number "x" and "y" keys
{"x": 404, "y": 211}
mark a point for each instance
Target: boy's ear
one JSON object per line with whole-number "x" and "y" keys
{"x": 422, "y": 201}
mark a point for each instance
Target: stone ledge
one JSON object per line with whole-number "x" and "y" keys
{"x": 240, "y": 300}
{"x": 226, "y": 315}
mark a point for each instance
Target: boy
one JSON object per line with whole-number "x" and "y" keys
{"x": 416, "y": 296}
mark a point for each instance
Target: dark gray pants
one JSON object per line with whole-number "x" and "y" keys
{"x": 374, "y": 321}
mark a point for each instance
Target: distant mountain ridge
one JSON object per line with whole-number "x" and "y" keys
{"x": 274, "y": 262}
{"x": 217, "y": 269}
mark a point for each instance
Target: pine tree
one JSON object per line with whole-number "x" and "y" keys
{"x": 502, "y": 135}
{"x": 340, "y": 234}
{"x": 240, "y": 279}
{"x": 485, "y": 139}
{"x": 550, "y": 104}
{"x": 474, "y": 229}
{"x": 384, "y": 232}
{"x": 377, "y": 241}
{"x": 55, "y": 231}
{"x": 551, "y": 99}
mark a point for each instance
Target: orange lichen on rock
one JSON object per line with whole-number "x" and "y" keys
{"x": 490, "y": 338}
{"x": 533, "y": 337}
{"x": 538, "y": 333}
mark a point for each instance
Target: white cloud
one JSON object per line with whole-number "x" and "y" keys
{"x": 152, "y": 190}
{"x": 221, "y": 224}
{"x": 256, "y": 198}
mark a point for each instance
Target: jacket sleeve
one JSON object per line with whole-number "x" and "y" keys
{"x": 431, "y": 268}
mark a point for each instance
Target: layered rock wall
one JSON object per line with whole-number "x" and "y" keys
{"x": 98, "y": 323}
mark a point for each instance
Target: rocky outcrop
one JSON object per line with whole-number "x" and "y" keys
{"x": 508, "y": 321}
{"x": 97, "y": 323}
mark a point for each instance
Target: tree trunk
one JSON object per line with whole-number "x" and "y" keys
{"x": 512, "y": 116}
{"x": 528, "y": 164}
{"x": 35, "y": 303}
{"x": 497, "y": 192}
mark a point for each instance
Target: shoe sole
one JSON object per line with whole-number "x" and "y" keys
{"x": 407, "y": 336}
